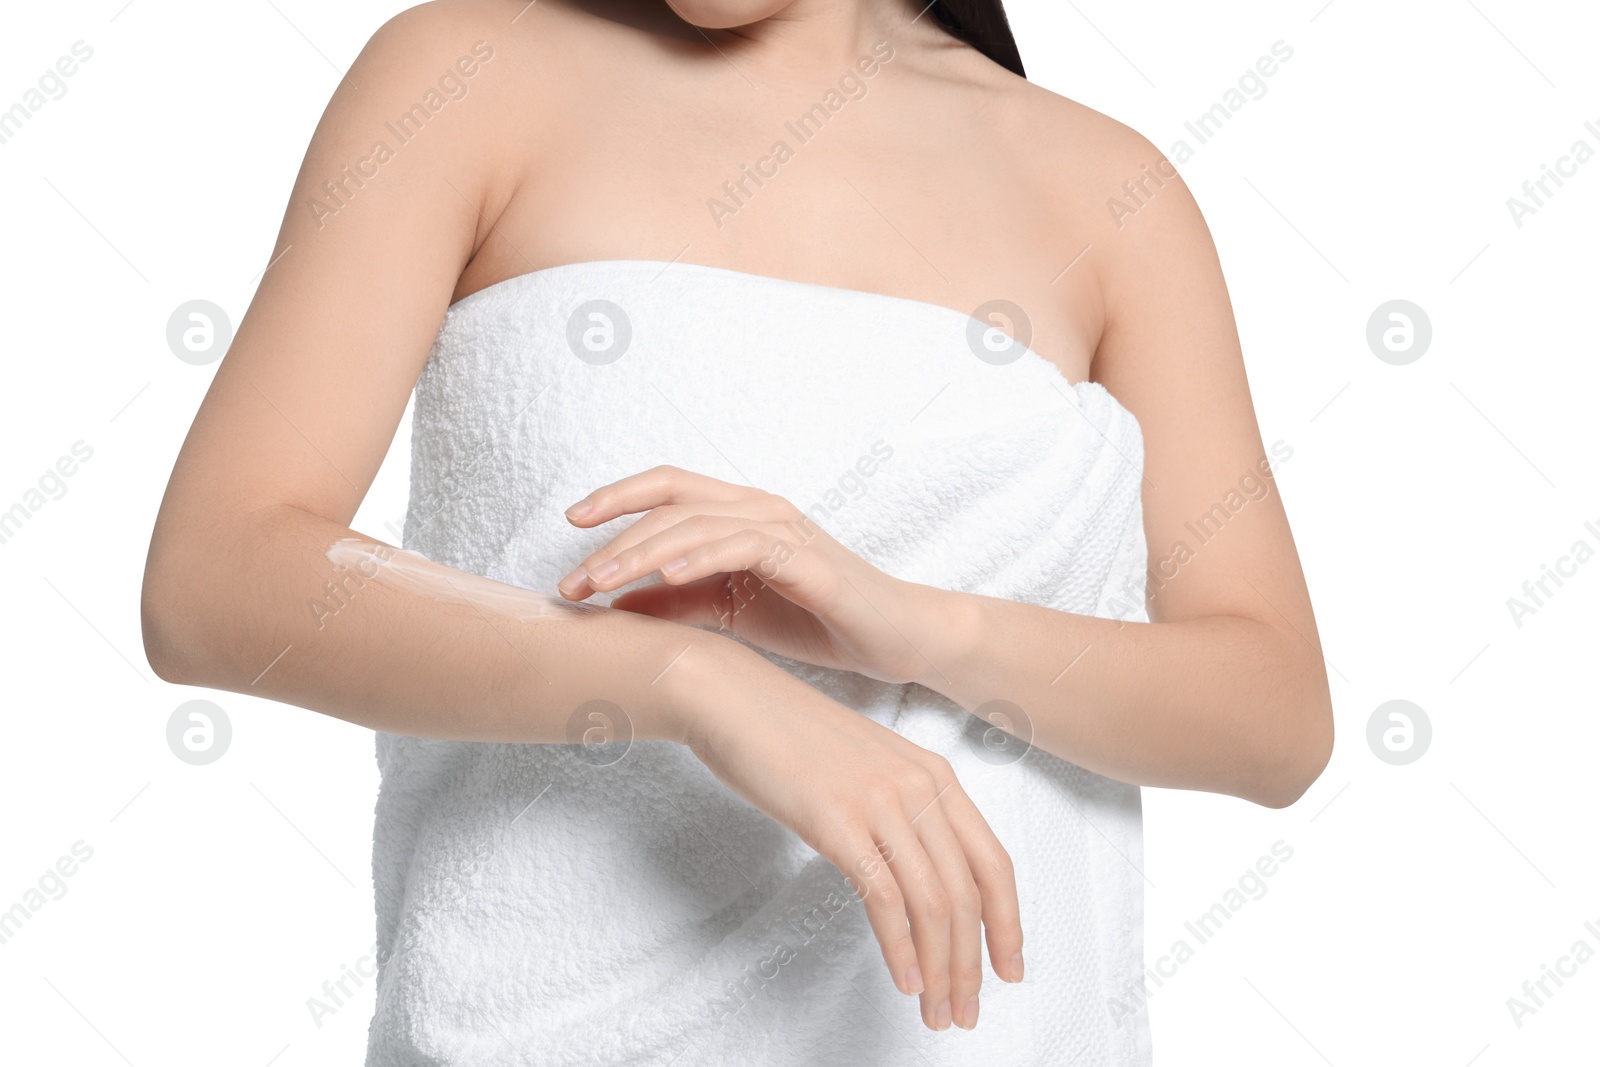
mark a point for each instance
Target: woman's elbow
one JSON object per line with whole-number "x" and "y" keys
{"x": 158, "y": 624}
{"x": 1300, "y": 757}
{"x": 171, "y": 623}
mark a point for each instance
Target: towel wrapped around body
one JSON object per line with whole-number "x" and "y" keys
{"x": 540, "y": 904}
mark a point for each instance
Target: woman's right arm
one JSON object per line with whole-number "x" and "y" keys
{"x": 291, "y": 433}
{"x": 304, "y": 407}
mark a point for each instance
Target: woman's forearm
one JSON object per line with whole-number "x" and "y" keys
{"x": 391, "y": 642}
{"x": 1225, "y": 704}
{"x": 256, "y": 605}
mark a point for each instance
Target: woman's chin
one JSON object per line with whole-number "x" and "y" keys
{"x": 725, "y": 14}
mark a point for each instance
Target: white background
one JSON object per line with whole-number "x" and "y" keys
{"x": 1377, "y": 166}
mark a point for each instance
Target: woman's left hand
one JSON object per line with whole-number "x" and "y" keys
{"x": 754, "y": 565}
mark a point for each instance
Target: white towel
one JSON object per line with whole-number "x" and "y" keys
{"x": 640, "y": 913}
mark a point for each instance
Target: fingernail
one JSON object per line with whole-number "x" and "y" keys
{"x": 601, "y": 571}
{"x": 1016, "y": 968}
{"x": 673, "y": 566}
{"x": 580, "y": 509}
{"x": 969, "y": 1014}
{"x": 941, "y": 1017}
{"x": 914, "y": 979}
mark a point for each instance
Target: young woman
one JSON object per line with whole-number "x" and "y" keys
{"x": 904, "y": 398}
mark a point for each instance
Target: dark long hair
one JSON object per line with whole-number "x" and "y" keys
{"x": 983, "y": 25}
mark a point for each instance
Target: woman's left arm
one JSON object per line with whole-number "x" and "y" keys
{"x": 1225, "y": 688}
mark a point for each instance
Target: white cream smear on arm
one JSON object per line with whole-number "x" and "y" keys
{"x": 412, "y": 572}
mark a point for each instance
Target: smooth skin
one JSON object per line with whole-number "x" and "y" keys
{"x": 601, "y": 130}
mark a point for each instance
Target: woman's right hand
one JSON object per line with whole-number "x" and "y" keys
{"x": 889, "y": 814}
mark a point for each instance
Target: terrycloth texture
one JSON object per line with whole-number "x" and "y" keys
{"x": 534, "y": 908}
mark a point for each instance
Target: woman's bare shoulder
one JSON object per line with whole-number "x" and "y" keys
{"x": 517, "y": 39}
{"x": 505, "y": 21}
{"x": 1076, "y": 141}
{"x": 1112, "y": 188}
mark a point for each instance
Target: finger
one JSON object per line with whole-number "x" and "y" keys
{"x": 987, "y": 859}
{"x": 691, "y": 549}
{"x": 762, "y": 555}
{"x": 750, "y": 511}
{"x": 927, "y": 906}
{"x": 869, "y": 877}
{"x": 594, "y": 574}
{"x": 651, "y": 489}
{"x": 665, "y": 533}
{"x": 966, "y": 942}
{"x": 992, "y": 870}
{"x": 770, "y": 559}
